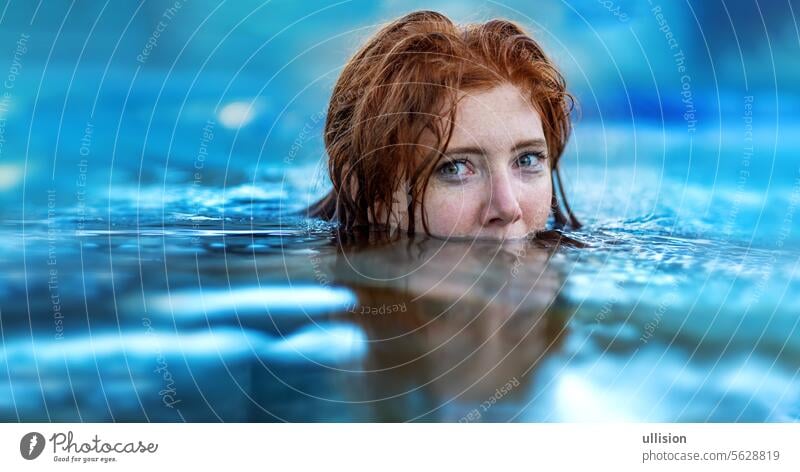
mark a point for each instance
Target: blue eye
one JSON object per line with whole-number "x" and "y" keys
{"x": 530, "y": 160}
{"x": 453, "y": 168}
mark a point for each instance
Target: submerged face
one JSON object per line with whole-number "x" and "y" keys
{"x": 494, "y": 180}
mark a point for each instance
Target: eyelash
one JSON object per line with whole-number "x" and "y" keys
{"x": 538, "y": 156}
{"x": 444, "y": 165}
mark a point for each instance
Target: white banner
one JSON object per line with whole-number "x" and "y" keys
{"x": 400, "y": 447}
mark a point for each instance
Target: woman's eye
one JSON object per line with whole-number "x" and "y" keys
{"x": 453, "y": 169}
{"x": 529, "y": 160}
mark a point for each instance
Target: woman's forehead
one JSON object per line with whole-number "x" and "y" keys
{"x": 501, "y": 116}
{"x": 494, "y": 120}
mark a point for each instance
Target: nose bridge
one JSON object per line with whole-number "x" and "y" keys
{"x": 503, "y": 201}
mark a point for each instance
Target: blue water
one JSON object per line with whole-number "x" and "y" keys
{"x": 218, "y": 304}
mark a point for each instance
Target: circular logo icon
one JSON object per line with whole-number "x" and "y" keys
{"x": 31, "y": 445}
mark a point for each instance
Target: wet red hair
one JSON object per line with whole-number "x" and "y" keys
{"x": 406, "y": 80}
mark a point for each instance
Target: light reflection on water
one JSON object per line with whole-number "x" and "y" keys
{"x": 217, "y": 315}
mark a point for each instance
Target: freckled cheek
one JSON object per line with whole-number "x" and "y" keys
{"x": 452, "y": 211}
{"x": 535, "y": 204}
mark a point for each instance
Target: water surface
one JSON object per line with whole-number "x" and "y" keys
{"x": 162, "y": 304}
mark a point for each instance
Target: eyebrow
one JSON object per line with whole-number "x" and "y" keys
{"x": 527, "y": 143}
{"x": 530, "y": 143}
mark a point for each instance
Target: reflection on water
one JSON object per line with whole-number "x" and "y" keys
{"x": 205, "y": 317}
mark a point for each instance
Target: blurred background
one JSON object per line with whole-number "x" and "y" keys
{"x": 130, "y": 89}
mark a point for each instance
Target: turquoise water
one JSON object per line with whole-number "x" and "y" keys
{"x": 219, "y": 304}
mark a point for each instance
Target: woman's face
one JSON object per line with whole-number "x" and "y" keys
{"x": 494, "y": 180}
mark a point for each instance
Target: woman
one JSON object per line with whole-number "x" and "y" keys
{"x": 454, "y": 131}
